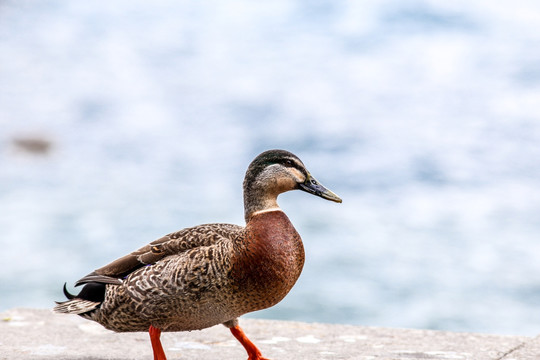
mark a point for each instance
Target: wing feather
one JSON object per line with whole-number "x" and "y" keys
{"x": 170, "y": 244}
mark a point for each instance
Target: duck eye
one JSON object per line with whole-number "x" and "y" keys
{"x": 288, "y": 163}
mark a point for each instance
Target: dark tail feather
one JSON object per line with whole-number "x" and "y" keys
{"x": 89, "y": 299}
{"x": 67, "y": 294}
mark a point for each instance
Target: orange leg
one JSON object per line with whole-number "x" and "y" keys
{"x": 155, "y": 333}
{"x": 253, "y": 352}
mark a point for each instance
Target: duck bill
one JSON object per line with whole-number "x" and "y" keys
{"x": 312, "y": 186}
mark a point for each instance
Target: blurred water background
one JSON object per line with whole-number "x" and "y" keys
{"x": 122, "y": 121}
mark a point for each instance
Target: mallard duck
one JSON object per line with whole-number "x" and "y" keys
{"x": 208, "y": 274}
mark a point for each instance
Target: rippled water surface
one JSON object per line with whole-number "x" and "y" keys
{"x": 423, "y": 116}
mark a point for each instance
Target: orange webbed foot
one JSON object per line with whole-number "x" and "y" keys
{"x": 253, "y": 352}
{"x": 257, "y": 358}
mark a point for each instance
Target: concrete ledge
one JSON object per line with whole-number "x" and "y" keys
{"x": 40, "y": 334}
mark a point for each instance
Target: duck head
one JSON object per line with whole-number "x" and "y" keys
{"x": 274, "y": 172}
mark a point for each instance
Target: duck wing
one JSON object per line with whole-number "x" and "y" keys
{"x": 170, "y": 244}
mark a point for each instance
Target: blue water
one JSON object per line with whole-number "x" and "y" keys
{"x": 422, "y": 115}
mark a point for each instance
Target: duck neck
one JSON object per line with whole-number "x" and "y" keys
{"x": 257, "y": 201}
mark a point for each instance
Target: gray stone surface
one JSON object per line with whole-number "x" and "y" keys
{"x": 40, "y": 334}
{"x": 528, "y": 350}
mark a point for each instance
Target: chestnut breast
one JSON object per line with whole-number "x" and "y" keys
{"x": 269, "y": 260}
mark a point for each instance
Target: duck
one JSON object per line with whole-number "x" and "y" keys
{"x": 208, "y": 274}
